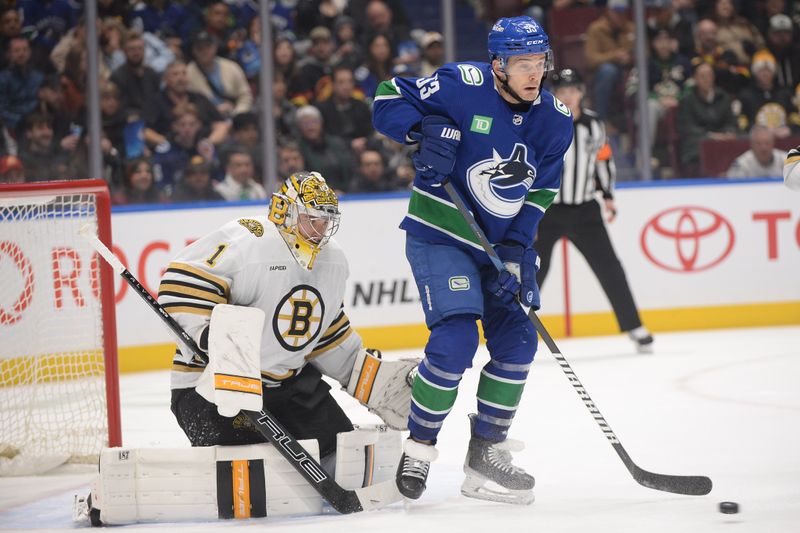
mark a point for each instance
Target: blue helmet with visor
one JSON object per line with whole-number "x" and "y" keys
{"x": 517, "y": 36}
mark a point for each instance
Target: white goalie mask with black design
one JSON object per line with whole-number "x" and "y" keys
{"x": 306, "y": 211}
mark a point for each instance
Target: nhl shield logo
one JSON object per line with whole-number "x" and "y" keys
{"x": 517, "y": 120}
{"x": 500, "y": 184}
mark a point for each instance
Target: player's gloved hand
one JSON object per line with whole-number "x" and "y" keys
{"x": 522, "y": 262}
{"x": 438, "y": 139}
{"x": 505, "y": 286}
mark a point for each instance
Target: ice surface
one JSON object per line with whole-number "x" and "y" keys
{"x": 724, "y": 403}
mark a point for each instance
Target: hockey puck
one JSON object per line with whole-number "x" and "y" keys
{"x": 728, "y": 507}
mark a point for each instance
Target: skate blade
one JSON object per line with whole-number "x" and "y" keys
{"x": 485, "y": 489}
{"x": 644, "y": 348}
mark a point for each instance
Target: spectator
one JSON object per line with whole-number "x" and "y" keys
{"x": 218, "y": 24}
{"x": 159, "y": 16}
{"x": 731, "y": 75}
{"x": 11, "y": 170}
{"x": 195, "y": 184}
{"x": 371, "y": 175}
{"x": 111, "y": 168}
{"x": 665, "y": 15}
{"x": 112, "y": 39}
{"x": 786, "y": 50}
{"x": 609, "y": 52}
{"x": 736, "y": 33}
{"x": 51, "y": 103}
{"x": 764, "y": 104}
{"x": 220, "y": 80}
{"x": 668, "y": 71}
{"x": 348, "y": 51}
{"x": 175, "y": 95}
{"x": 432, "y": 53}
{"x": 183, "y": 142}
{"x": 377, "y": 66}
{"x": 313, "y": 81}
{"x": 139, "y": 85}
{"x": 324, "y": 153}
{"x": 283, "y": 111}
{"x": 248, "y": 53}
{"x": 290, "y": 160}
{"x": 40, "y": 156}
{"x": 285, "y": 60}
{"x": 19, "y": 83}
{"x": 345, "y": 116}
{"x": 239, "y": 183}
{"x": 246, "y": 133}
{"x": 10, "y": 27}
{"x": 313, "y": 13}
{"x": 358, "y": 10}
{"x": 762, "y": 159}
{"x": 114, "y": 117}
{"x": 47, "y": 21}
{"x": 380, "y": 19}
{"x": 139, "y": 186}
{"x": 704, "y": 113}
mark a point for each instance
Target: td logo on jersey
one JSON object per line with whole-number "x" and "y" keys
{"x": 298, "y": 317}
{"x": 687, "y": 239}
{"x": 500, "y": 184}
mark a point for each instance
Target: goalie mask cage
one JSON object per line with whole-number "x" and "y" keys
{"x": 59, "y": 386}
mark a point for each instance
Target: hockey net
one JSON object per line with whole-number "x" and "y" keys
{"x": 59, "y": 396}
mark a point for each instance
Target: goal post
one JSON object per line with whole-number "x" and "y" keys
{"x": 59, "y": 382}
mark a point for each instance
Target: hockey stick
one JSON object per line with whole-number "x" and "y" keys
{"x": 692, "y": 485}
{"x": 342, "y": 500}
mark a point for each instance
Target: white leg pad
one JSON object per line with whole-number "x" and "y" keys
{"x": 367, "y": 456}
{"x": 157, "y": 485}
{"x": 232, "y": 379}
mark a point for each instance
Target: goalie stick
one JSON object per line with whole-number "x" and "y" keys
{"x": 691, "y": 485}
{"x": 342, "y": 500}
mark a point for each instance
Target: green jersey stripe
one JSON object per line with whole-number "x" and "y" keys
{"x": 541, "y": 198}
{"x": 442, "y": 216}
{"x": 432, "y": 399}
{"x": 387, "y": 88}
{"x": 493, "y": 391}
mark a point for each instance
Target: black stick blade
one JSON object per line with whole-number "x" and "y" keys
{"x": 690, "y": 485}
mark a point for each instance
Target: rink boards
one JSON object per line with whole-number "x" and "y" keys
{"x": 697, "y": 254}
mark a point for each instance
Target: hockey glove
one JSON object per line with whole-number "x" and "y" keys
{"x": 438, "y": 139}
{"x": 523, "y": 263}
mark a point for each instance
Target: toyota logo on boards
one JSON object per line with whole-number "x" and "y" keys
{"x": 687, "y": 239}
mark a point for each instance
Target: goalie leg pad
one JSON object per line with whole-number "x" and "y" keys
{"x": 383, "y": 386}
{"x": 367, "y": 456}
{"x": 232, "y": 379}
{"x": 167, "y": 485}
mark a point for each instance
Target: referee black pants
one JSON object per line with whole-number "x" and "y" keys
{"x": 583, "y": 225}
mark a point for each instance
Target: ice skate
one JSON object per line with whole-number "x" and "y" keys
{"x": 491, "y": 474}
{"x": 642, "y": 339}
{"x": 412, "y": 472}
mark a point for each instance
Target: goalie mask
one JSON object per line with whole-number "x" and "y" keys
{"x": 306, "y": 212}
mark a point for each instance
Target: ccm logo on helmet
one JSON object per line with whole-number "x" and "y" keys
{"x": 535, "y": 41}
{"x": 451, "y": 133}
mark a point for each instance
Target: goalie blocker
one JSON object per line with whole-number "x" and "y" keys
{"x": 222, "y": 482}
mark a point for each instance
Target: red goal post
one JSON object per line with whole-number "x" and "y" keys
{"x": 59, "y": 382}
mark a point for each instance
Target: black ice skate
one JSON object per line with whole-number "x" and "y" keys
{"x": 491, "y": 474}
{"x": 412, "y": 472}
{"x": 642, "y": 339}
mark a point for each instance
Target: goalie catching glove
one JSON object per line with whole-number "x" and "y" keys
{"x": 383, "y": 386}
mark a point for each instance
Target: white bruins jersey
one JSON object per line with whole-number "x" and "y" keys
{"x": 246, "y": 262}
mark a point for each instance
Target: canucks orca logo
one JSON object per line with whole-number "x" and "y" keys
{"x": 500, "y": 185}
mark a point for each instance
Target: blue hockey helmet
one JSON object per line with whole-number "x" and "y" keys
{"x": 516, "y": 36}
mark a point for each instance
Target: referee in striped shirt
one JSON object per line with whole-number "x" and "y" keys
{"x": 575, "y": 213}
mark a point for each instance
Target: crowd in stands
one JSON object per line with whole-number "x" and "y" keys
{"x": 180, "y": 102}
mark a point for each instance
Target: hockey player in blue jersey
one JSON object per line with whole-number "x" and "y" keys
{"x": 500, "y": 139}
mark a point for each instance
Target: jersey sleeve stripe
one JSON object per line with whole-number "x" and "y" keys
{"x": 336, "y": 325}
{"x": 205, "y": 295}
{"x": 278, "y": 377}
{"x": 541, "y": 199}
{"x": 792, "y": 159}
{"x": 193, "y": 272}
{"x": 179, "y": 366}
{"x": 186, "y": 307}
{"x": 320, "y": 349}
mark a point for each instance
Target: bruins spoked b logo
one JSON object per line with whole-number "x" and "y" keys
{"x": 298, "y": 318}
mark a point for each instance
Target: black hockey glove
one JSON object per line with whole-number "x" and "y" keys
{"x": 438, "y": 139}
{"x": 522, "y": 262}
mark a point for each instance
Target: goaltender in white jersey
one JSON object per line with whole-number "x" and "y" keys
{"x": 262, "y": 298}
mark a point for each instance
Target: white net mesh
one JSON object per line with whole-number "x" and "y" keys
{"x": 52, "y": 376}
